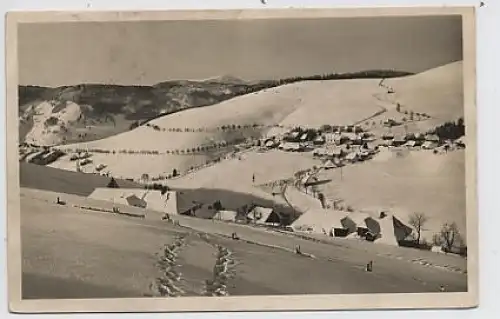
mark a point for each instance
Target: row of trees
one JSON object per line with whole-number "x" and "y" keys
{"x": 412, "y": 114}
{"x": 373, "y": 74}
{"x": 448, "y": 237}
{"x": 450, "y": 130}
{"x": 176, "y": 173}
{"x": 193, "y": 150}
{"x": 224, "y": 128}
{"x": 155, "y": 186}
{"x": 327, "y": 128}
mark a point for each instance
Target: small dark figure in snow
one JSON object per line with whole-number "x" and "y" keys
{"x": 234, "y": 236}
{"x": 369, "y": 266}
{"x": 253, "y": 178}
{"x": 441, "y": 288}
{"x": 166, "y": 217}
{"x": 297, "y": 250}
{"x": 60, "y": 202}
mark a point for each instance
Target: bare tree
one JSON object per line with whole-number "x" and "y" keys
{"x": 448, "y": 236}
{"x": 418, "y": 220}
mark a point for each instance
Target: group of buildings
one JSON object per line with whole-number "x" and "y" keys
{"x": 352, "y": 143}
{"x": 383, "y": 228}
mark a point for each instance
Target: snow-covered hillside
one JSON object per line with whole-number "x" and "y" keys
{"x": 51, "y": 121}
{"x": 182, "y": 140}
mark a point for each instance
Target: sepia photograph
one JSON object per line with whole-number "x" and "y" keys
{"x": 241, "y": 160}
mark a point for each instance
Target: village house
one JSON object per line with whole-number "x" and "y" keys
{"x": 428, "y": 145}
{"x": 432, "y": 138}
{"x": 100, "y": 167}
{"x": 264, "y": 216}
{"x": 391, "y": 123}
{"x": 290, "y": 147}
{"x": 350, "y": 128}
{"x": 330, "y": 152}
{"x": 270, "y": 143}
{"x": 336, "y": 152}
{"x": 410, "y": 143}
{"x": 364, "y": 155}
{"x": 414, "y": 139}
{"x": 320, "y": 151}
{"x": 226, "y": 215}
{"x": 319, "y": 140}
{"x": 85, "y": 162}
{"x": 398, "y": 141}
{"x": 330, "y": 137}
{"x": 387, "y": 136}
{"x": 292, "y": 137}
{"x": 348, "y": 138}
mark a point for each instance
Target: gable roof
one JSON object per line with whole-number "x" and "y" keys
{"x": 152, "y": 199}
{"x": 329, "y": 164}
{"x": 319, "y": 220}
{"x": 260, "y": 214}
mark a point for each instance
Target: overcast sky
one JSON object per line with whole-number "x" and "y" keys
{"x": 145, "y": 53}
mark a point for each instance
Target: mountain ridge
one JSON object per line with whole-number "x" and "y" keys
{"x": 109, "y": 109}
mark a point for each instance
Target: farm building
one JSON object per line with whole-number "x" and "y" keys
{"x": 330, "y": 137}
{"x": 292, "y": 137}
{"x": 428, "y": 145}
{"x": 398, "y": 141}
{"x": 364, "y": 155}
{"x": 319, "y": 141}
{"x": 137, "y": 197}
{"x": 355, "y": 223}
{"x": 290, "y": 147}
{"x": 387, "y": 136}
{"x": 225, "y": 215}
{"x": 410, "y": 143}
{"x": 432, "y": 138}
{"x": 100, "y": 167}
{"x": 270, "y": 143}
{"x": 264, "y": 216}
{"x": 85, "y": 162}
{"x": 386, "y": 229}
{"x": 320, "y": 151}
{"x": 391, "y": 123}
{"x": 319, "y": 221}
